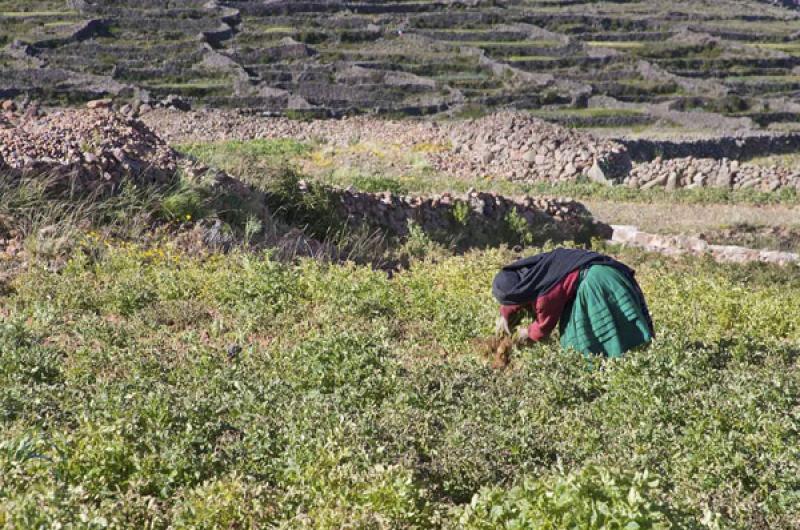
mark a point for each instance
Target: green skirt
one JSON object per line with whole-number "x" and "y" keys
{"x": 605, "y": 317}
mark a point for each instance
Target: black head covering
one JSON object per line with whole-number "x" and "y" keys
{"x": 523, "y": 281}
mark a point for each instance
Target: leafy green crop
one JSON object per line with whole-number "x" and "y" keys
{"x": 591, "y": 498}
{"x": 141, "y": 387}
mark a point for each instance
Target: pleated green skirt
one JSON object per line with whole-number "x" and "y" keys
{"x": 605, "y": 317}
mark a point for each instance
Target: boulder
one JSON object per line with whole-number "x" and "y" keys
{"x": 672, "y": 181}
{"x": 658, "y": 181}
{"x": 724, "y": 177}
{"x": 596, "y": 174}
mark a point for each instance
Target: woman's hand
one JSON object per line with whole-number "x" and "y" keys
{"x": 501, "y": 326}
{"x": 522, "y": 335}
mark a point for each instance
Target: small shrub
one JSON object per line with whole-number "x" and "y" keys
{"x": 518, "y": 226}
{"x": 185, "y": 204}
{"x": 418, "y": 244}
{"x": 314, "y": 207}
{"x": 461, "y": 212}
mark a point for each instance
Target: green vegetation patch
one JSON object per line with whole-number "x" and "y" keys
{"x": 142, "y": 387}
{"x": 506, "y": 43}
{"x": 530, "y": 58}
{"x": 788, "y": 47}
{"x": 35, "y": 14}
{"x": 247, "y": 158}
{"x": 622, "y": 45}
{"x": 593, "y": 112}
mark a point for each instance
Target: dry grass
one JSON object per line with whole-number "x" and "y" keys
{"x": 678, "y": 218}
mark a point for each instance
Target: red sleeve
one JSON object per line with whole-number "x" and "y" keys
{"x": 508, "y": 310}
{"x": 550, "y": 306}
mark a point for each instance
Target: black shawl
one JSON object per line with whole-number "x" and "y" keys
{"x": 523, "y": 281}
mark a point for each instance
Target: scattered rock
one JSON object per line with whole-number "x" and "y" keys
{"x": 658, "y": 181}
{"x": 724, "y": 177}
{"x": 233, "y": 351}
{"x": 672, "y": 181}
{"x": 99, "y": 104}
{"x": 527, "y": 149}
{"x": 175, "y": 102}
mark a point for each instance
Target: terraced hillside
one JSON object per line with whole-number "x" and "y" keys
{"x": 584, "y": 63}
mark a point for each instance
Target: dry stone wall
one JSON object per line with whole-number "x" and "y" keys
{"x": 481, "y": 217}
{"x": 734, "y": 147}
{"x": 677, "y": 245}
{"x": 701, "y": 172}
{"x": 507, "y": 145}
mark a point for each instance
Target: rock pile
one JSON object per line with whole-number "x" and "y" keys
{"x": 520, "y": 147}
{"x": 485, "y": 217}
{"x": 211, "y": 125}
{"x": 692, "y": 172}
{"x": 96, "y": 144}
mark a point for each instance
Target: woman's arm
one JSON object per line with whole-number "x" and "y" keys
{"x": 550, "y": 306}
{"x": 509, "y": 317}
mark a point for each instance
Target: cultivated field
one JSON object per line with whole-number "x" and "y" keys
{"x": 250, "y": 287}
{"x": 143, "y": 387}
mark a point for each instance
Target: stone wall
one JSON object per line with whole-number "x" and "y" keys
{"x": 477, "y": 218}
{"x": 733, "y": 147}
{"x": 677, "y": 245}
{"x": 701, "y": 172}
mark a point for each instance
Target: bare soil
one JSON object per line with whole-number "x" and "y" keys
{"x": 694, "y": 218}
{"x": 771, "y": 237}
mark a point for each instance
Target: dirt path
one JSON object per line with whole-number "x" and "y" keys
{"x": 692, "y": 218}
